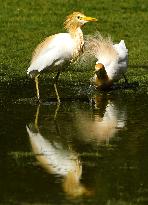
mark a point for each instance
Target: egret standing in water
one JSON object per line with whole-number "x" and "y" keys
{"x": 57, "y": 51}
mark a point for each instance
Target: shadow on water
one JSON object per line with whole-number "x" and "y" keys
{"x": 75, "y": 153}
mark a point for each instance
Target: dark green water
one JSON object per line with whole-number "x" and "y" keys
{"x": 78, "y": 153}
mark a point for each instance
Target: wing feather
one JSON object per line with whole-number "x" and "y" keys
{"x": 53, "y": 51}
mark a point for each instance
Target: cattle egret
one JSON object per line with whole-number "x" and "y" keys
{"x": 57, "y": 51}
{"x": 101, "y": 79}
{"x": 112, "y": 60}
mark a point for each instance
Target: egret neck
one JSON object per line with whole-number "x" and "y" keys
{"x": 77, "y": 36}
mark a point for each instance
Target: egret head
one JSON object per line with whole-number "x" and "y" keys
{"x": 101, "y": 80}
{"x": 77, "y": 19}
{"x": 100, "y": 71}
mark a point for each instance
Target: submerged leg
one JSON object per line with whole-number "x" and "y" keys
{"x": 37, "y": 86}
{"x": 126, "y": 81}
{"x": 55, "y": 86}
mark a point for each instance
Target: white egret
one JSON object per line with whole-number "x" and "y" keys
{"x": 112, "y": 60}
{"x": 58, "y": 50}
{"x": 101, "y": 79}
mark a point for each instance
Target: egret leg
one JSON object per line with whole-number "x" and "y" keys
{"x": 56, "y": 111}
{"x": 57, "y": 94}
{"x": 55, "y": 86}
{"x": 37, "y": 117}
{"x": 126, "y": 81}
{"x": 37, "y": 86}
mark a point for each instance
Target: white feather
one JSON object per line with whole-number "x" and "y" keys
{"x": 119, "y": 66}
{"x": 115, "y": 65}
{"x": 121, "y": 50}
{"x": 57, "y": 51}
{"x": 114, "y": 57}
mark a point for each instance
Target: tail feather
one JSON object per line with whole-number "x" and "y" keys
{"x": 122, "y": 44}
{"x": 121, "y": 50}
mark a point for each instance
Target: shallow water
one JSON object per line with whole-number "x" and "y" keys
{"x": 81, "y": 152}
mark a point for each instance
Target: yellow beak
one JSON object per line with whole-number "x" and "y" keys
{"x": 88, "y": 18}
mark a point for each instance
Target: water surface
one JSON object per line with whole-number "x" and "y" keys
{"x": 81, "y": 152}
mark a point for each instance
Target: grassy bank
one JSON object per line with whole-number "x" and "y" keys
{"x": 25, "y": 23}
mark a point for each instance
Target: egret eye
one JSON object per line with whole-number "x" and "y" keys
{"x": 79, "y": 17}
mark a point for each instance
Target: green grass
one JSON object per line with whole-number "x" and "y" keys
{"x": 26, "y": 23}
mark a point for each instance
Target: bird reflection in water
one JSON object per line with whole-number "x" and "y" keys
{"x": 105, "y": 121}
{"x": 57, "y": 158}
{"x": 54, "y": 139}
